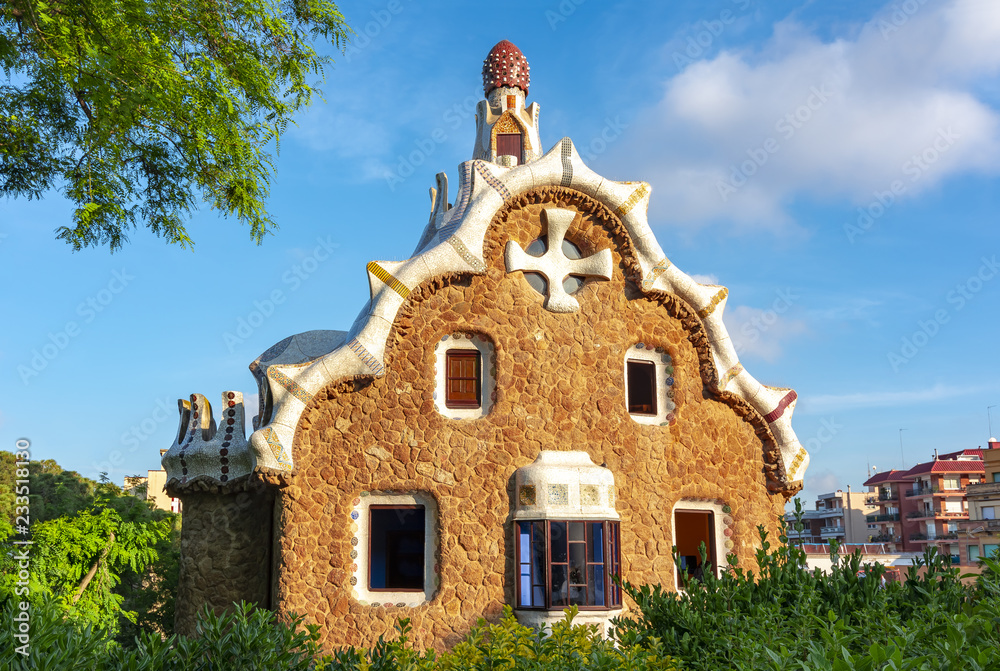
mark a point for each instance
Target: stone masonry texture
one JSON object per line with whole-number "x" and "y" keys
{"x": 560, "y": 386}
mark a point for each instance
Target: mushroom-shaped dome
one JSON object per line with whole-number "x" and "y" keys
{"x": 505, "y": 66}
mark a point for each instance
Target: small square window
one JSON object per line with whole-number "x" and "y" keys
{"x": 641, "y": 380}
{"x": 463, "y": 378}
{"x": 694, "y": 531}
{"x": 396, "y": 548}
{"x": 988, "y": 512}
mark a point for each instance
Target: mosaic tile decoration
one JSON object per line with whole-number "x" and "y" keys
{"x": 714, "y": 303}
{"x": 505, "y": 67}
{"x": 799, "y": 456}
{"x": 526, "y": 495}
{"x": 378, "y": 271}
{"x": 590, "y": 495}
{"x": 633, "y": 200}
{"x": 488, "y": 177}
{"x": 274, "y": 350}
{"x": 566, "y": 150}
{"x": 661, "y": 267}
{"x": 374, "y": 365}
{"x": 457, "y": 213}
{"x": 466, "y": 255}
{"x": 277, "y": 449}
{"x": 559, "y": 495}
{"x": 775, "y": 414}
{"x": 508, "y": 123}
{"x": 730, "y": 374}
{"x": 293, "y": 387}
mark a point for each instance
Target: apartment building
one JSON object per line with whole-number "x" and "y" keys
{"x": 151, "y": 488}
{"x": 926, "y": 504}
{"x": 979, "y": 535}
{"x": 838, "y": 516}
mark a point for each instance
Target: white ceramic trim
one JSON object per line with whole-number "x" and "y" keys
{"x": 488, "y": 383}
{"x": 431, "y": 541}
{"x": 536, "y": 619}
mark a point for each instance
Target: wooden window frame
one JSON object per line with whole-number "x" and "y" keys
{"x": 628, "y": 381}
{"x": 465, "y": 404}
{"x": 409, "y": 506}
{"x": 610, "y": 565}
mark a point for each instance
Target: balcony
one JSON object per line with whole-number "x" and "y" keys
{"x": 936, "y": 514}
{"x": 919, "y": 514}
{"x": 871, "y": 500}
{"x": 983, "y": 489}
{"x": 831, "y": 531}
{"x": 943, "y": 537}
{"x": 918, "y": 491}
{"x": 830, "y": 512}
{"x": 918, "y": 537}
{"x": 893, "y": 517}
{"x": 886, "y": 538}
{"x": 885, "y": 495}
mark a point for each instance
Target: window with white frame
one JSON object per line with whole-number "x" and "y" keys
{"x": 395, "y": 548}
{"x": 465, "y": 371}
{"x": 988, "y": 512}
{"x": 952, "y": 482}
{"x": 649, "y": 384}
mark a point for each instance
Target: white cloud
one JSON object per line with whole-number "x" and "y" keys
{"x": 741, "y": 135}
{"x": 760, "y": 333}
{"x": 705, "y": 279}
{"x": 882, "y": 399}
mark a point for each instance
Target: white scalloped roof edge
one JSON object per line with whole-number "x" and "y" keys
{"x": 456, "y": 246}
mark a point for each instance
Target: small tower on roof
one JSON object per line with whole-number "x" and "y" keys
{"x": 506, "y": 130}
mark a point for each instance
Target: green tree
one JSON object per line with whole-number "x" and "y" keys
{"x": 135, "y": 108}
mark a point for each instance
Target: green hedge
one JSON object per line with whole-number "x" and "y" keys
{"x": 257, "y": 640}
{"x": 789, "y": 618}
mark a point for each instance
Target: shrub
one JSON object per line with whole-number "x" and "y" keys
{"x": 787, "y": 617}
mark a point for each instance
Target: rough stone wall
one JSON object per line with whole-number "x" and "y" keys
{"x": 226, "y": 553}
{"x": 560, "y": 386}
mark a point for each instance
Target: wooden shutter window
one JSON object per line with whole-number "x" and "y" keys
{"x": 464, "y": 378}
{"x": 510, "y": 144}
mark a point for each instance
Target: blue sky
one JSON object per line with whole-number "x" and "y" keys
{"x": 835, "y": 164}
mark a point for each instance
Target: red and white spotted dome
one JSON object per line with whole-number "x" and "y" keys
{"x": 506, "y": 66}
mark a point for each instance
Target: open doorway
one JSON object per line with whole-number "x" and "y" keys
{"x": 692, "y": 528}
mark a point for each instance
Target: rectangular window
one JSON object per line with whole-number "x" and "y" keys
{"x": 566, "y": 563}
{"x": 954, "y": 507}
{"x": 989, "y": 549}
{"x": 396, "y": 548}
{"x": 988, "y": 512}
{"x": 996, "y": 477}
{"x": 640, "y": 376}
{"x": 952, "y": 483}
{"x": 694, "y": 530}
{"x": 973, "y": 554}
{"x": 510, "y": 144}
{"x": 464, "y": 378}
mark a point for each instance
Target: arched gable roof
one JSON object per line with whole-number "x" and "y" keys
{"x": 453, "y": 243}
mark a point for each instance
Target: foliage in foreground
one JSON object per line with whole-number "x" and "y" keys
{"x": 103, "y": 556}
{"x": 789, "y": 618}
{"x": 137, "y": 109}
{"x": 248, "y": 639}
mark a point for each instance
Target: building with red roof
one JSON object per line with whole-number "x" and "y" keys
{"x": 979, "y": 534}
{"x": 926, "y": 504}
